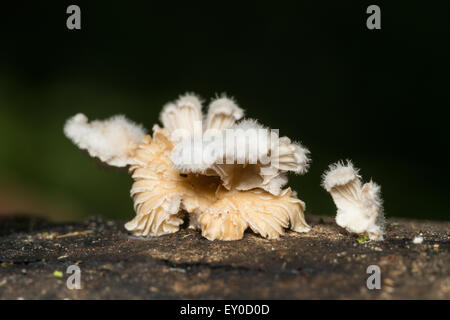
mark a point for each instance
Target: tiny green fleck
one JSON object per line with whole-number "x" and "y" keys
{"x": 58, "y": 274}
{"x": 363, "y": 238}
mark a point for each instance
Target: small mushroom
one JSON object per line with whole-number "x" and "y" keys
{"x": 179, "y": 118}
{"x": 359, "y": 206}
{"x": 223, "y": 113}
{"x": 113, "y": 140}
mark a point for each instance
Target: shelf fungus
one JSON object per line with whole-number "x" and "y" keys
{"x": 226, "y": 173}
{"x": 359, "y": 206}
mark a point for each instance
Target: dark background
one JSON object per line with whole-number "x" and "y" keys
{"x": 311, "y": 69}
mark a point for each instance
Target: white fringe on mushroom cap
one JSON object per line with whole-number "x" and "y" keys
{"x": 113, "y": 140}
{"x": 180, "y": 118}
{"x": 359, "y": 205}
{"x": 245, "y": 156}
{"x": 223, "y": 113}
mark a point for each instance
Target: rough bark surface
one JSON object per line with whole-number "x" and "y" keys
{"x": 326, "y": 263}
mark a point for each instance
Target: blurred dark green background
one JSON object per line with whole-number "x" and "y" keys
{"x": 311, "y": 69}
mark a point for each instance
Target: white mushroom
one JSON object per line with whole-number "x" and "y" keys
{"x": 359, "y": 206}
{"x": 113, "y": 140}
{"x": 221, "y": 199}
{"x": 160, "y": 194}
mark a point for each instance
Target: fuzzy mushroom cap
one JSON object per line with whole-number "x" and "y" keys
{"x": 359, "y": 206}
{"x": 223, "y": 113}
{"x": 339, "y": 174}
{"x": 113, "y": 140}
{"x": 245, "y": 156}
{"x": 180, "y": 118}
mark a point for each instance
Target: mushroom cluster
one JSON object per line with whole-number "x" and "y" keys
{"x": 226, "y": 173}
